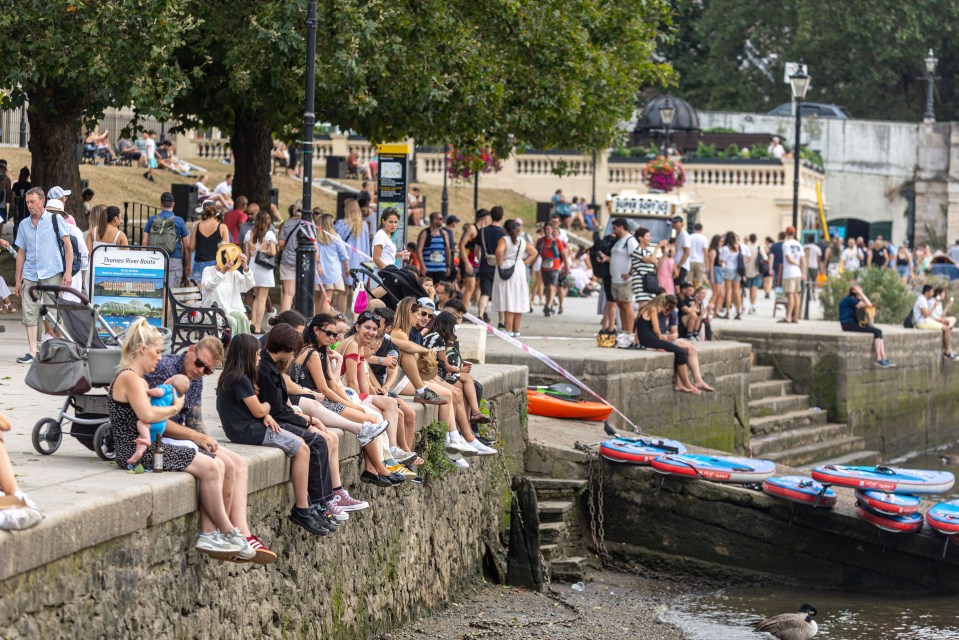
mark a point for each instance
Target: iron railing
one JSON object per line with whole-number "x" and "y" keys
{"x": 135, "y": 216}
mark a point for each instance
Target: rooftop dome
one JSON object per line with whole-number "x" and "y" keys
{"x": 684, "y": 117}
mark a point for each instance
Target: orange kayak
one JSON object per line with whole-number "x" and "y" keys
{"x": 541, "y": 404}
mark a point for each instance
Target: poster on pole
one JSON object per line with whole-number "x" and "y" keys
{"x": 392, "y": 186}
{"x": 127, "y": 283}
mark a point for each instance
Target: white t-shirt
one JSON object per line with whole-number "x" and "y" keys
{"x": 151, "y": 147}
{"x": 619, "y": 261}
{"x": 202, "y": 191}
{"x": 682, "y": 242}
{"x": 389, "y": 249}
{"x": 698, "y": 243}
{"x": 224, "y": 188}
{"x": 850, "y": 258}
{"x": 776, "y": 150}
{"x": 792, "y": 249}
{"x": 921, "y": 303}
{"x": 729, "y": 258}
{"x": 813, "y": 253}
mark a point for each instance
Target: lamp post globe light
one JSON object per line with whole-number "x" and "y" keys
{"x": 799, "y": 83}
{"x": 931, "y": 61}
{"x": 666, "y": 113}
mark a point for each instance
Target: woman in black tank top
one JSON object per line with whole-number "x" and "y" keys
{"x": 206, "y": 236}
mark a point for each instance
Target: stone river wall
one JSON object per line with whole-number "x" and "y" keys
{"x": 123, "y": 564}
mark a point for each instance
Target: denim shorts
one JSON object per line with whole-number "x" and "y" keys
{"x": 903, "y": 270}
{"x": 755, "y": 281}
{"x": 282, "y": 439}
{"x": 717, "y": 274}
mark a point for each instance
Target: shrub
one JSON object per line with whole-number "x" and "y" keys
{"x": 883, "y": 287}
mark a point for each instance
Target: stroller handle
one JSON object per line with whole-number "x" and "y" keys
{"x": 52, "y": 288}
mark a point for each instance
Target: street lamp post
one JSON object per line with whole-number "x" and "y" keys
{"x": 445, "y": 198}
{"x": 930, "y": 114}
{"x": 23, "y": 125}
{"x": 306, "y": 251}
{"x": 799, "y": 82}
{"x": 666, "y": 113}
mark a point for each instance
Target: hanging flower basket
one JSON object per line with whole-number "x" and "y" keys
{"x": 463, "y": 164}
{"x": 662, "y": 174}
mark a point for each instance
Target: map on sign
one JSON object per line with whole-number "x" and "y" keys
{"x": 643, "y": 204}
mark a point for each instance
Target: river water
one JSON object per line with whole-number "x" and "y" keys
{"x": 731, "y": 614}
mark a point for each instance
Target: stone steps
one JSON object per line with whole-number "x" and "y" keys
{"x": 856, "y": 458}
{"x": 554, "y": 510}
{"x": 551, "y": 552}
{"x": 770, "y": 389}
{"x": 556, "y": 488}
{"x": 571, "y": 569}
{"x": 781, "y": 440}
{"x": 787, "y": 421}
{"x": 810, "y": 453}
{"x": 552, "y": 533}
{"x": 777, "y": 404}
{"x": 760, "y": 373}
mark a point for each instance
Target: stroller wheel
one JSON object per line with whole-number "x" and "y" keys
{"x": 103, "y": 442}
{"x": 47, "y": 436}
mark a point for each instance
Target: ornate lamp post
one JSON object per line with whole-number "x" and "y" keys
{"x": 799, "y": 82}
{"x": 666, "y": 113}
{"x": 930, "y": 114}
{"x": 306, "y": 251}
{"x": 445, "y": 198}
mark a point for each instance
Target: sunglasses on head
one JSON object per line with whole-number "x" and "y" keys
{"x": 366, "y": 316}
{"x": 341, "y": 317}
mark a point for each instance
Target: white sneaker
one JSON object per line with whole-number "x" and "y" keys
{"x": 19, "y": 518}
{"x": 401, "y": 456}
{"x": 247, "y": 552}
{"x": 456, "y": 444}
{"x": 457, "y": 460}
{"x": 369, "y": 431}
{"x": 482, "y": 449}
{"x": 216, "y": 546}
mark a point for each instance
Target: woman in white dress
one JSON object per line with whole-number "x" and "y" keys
{"x": 511, "y": 294}
{"x": 260, "y": 239}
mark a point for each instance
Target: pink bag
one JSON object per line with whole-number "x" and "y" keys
{"x": 359, "y": 301}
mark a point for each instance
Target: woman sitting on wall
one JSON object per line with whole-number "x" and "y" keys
{"x": 649, "y": 336}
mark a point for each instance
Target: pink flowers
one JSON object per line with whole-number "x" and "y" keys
{"x": 463, "y": 164}
{"x": 662, "y": 174}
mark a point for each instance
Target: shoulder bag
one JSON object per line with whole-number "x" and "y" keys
{"x": 489, "y": 257}
{"x": 507, "y": 273}
{"x": 264, "y": 260}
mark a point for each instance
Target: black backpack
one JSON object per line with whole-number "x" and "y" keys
{"x": 909, "y": 323}
{"x": 77, "y": 261}
{"x": 601, "y": 269}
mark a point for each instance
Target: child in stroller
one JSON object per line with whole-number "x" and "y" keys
{"x": 160, "y": 396}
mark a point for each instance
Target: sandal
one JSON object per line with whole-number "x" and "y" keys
{"x": 480, "y": 418}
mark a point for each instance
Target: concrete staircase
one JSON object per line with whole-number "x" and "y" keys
{"x": 785, "y": 429}
{"x": 560, "y": 533}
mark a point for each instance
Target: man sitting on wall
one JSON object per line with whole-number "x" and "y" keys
{"x": 923, "y": 318}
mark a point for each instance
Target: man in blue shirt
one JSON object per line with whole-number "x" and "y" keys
{"x": 776, "y": 264}
{"x": 178, "y": 246}
{"x": 40, "y": 260}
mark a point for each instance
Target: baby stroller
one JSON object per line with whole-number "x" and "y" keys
{"x": 77, "y": 362}
{"x": 390, "y": 284}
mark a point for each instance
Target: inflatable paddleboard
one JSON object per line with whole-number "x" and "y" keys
{"x": 902, "y": 523}
{"x": 889, "y": 480}
{"x": 800, "y": 490}
{"x": 715, "y": 468}
{"x": 639, "y": 450}
{"x": 944, "y": 517}
{"x": 891, "y": 503}
{"x": 541, "y": 404}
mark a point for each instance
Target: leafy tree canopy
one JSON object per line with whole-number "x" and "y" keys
{"x": 866, "y": 55}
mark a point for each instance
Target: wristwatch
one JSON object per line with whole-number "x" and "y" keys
{"x": 381, "y": 359}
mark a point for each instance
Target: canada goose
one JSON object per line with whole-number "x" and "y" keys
{"x": 792, "y": 626}
{"x": 949, "y": 459}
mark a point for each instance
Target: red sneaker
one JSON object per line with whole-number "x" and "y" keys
{"x": 263, "y": 554}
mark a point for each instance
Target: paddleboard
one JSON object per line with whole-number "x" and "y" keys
{"x": 944, "y": 517}
{"x": 801, "y": 490}
{"x": 639, "y": 450}
{"x": 891, "y": 503}
{"x": 887, "y": 479}
{"x": 903, "y": 523}
{"x": 715, "y": 468}
{"x": 541, "y": 404}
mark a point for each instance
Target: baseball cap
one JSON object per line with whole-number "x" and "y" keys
{"x": 676, "y": 219}
{"x": 450, "y": 219}
{"x": 426, "y": 303}
{"x": 57, "y": 193}
{"x": 166, "y": 198}
{"x": 790, "y": 230}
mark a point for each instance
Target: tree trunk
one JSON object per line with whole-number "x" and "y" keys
{"x": 252, "y": 144}
{"x": 54, "y": 137}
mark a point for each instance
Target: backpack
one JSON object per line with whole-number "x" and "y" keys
{"x": 77, "y": 260}
{"x": 909, "y": 322}
{"x": 163, "y": 234}
{"x": 762, "y": 264}
{"x": 601, "y": 269}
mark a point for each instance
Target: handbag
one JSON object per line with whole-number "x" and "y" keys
{"x": 507, "y": 273}
{"x": 60, "y": 369}
{"x": 489, "y": 257}
{"x": 264, "y": 260}
{"x": 427, "y": 365}
{"x": 360, "y": 301}
{"x": 650, "y": 283}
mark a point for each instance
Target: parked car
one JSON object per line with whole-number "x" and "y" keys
{"x": 813, "y": 109}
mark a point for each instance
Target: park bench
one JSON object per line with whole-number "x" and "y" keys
{"x": 191, "y": 322}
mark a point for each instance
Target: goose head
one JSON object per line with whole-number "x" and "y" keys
{"x": 809, "y": 610}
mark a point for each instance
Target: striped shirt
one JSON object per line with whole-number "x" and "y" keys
{"x": 638, "y": 270}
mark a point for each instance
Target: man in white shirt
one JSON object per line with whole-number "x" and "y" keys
{"x": 698, "y": 245}
{"x": 794, "y": 265}
{"x": 682, "y": 252}
{"x": 924, "y": 316}
{"x": 619, "y": 271}
{"x": 775, "y": 148}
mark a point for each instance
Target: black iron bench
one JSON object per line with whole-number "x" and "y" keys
{"x": 191, "y": 322}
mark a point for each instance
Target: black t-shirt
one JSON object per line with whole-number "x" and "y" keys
{"x": 416, "y": 336}
{"x": 488, "y": 239}
{"x": 685, "y": 306}
{"x": 605, "y": 246}
{"x": 238, "y": 423}
{"x": 273, "y": 390}
{"x": 380, "y": 371}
